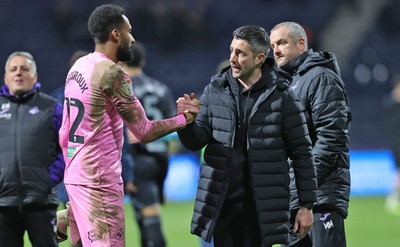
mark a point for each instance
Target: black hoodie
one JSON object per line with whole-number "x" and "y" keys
{"x": 239, "y": 186}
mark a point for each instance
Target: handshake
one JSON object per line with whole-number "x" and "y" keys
{"x": 189, "y": 106}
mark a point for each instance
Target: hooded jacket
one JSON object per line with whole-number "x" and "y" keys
{"x": 323, "y": 94}
{"x": 276, "y": 130}
{"x": 31, "y": 162}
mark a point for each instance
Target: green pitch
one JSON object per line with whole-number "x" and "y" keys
{"x": 368, "y": 225}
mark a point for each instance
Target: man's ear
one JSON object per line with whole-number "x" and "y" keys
{"x": 115, "y": 35}
{"x": 260, "y": 58}
{"x": 301, "y": 44}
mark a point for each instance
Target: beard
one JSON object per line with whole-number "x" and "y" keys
{"x": 124, "y": 52}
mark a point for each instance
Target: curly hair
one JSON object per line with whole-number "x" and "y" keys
{"x": 103, "y": 20}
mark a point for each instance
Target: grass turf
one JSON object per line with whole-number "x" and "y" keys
{"x": 368, "y": 225}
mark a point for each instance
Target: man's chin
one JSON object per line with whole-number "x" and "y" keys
{"x": 281, "y": 62}
{"x": 18, "y": 92}
{"x": 235, "y": 75}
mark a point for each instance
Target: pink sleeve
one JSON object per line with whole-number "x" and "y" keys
{"x": 119, "y": 90}
{"x": 146, "y": 130}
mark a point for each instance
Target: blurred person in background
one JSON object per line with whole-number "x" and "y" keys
{"x": 58, "y": 93}
{"x": 128, "y": 165}
{"x": 151, "y": 159}
{"x": 98, "y": 100}
{"x": 317, "y": 83}
{"x": 391, "y": 105}
{"x": 250, "y": 124}
{"x": 31, "y": 162}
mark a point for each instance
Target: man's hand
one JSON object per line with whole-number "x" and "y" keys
{"x": 189, "y": 106}
{"x": 189, "y": 118}
{"x": 131, "y": 137}
{"x": 131, "y": 188}
{"x": 303, "y": 222}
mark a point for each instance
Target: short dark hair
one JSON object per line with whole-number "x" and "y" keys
{"x": 103, "y": 20}
{"x": 256, "y": 36}
{"x": 139, "y": 55}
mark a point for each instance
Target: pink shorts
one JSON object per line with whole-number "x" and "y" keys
{"x": 96, "y": 215}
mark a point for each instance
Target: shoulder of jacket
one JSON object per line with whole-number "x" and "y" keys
{"x": 47, "y": 97}
{"x": 218, "y": 81}
{"x": 282, "y": 79}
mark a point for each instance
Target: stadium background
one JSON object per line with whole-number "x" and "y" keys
{"x": 186, "y": 40}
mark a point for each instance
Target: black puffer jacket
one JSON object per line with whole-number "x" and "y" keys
{"x": 31, "y": 162}
{"x": 276, "y": 130}
{"x": 317, "y": 82}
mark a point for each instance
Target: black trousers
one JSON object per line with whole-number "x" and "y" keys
{"x": 237, "y": 227}
{"x": 39, "y": 222}
{"x": 327, "y": 231}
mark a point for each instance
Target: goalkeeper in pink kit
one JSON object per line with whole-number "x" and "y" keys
{"x": 98, "y": 99}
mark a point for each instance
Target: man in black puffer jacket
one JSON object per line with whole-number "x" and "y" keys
{"x": 251, "y": 125}
{"x": 317, "y": 82}
{"x": 31, "y": 162}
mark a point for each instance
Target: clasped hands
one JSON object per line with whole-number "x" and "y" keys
{"x": 189, "y": 106}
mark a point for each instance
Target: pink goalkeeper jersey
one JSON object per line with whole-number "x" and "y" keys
{"x": 98, "y": 96}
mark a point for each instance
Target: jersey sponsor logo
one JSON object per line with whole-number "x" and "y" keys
{"x": 5, "y": 115}
{"x": 92, "y": 236}
{"x": 295, "y": 85}
{"x": 120, "y": 234}
{"x": 324, "y": 216}
{"x": 5, "y": 107}
{"x": 328, "y": 225}
{"x": 34, "y": 110}
{"x": 71, "y": 152}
